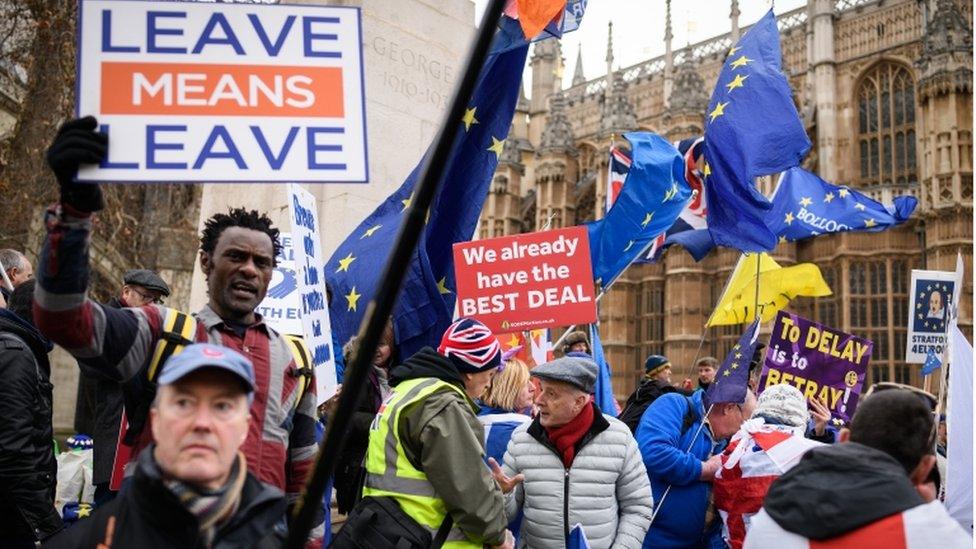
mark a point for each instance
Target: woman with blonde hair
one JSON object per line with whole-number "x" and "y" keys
{"x": 506, "y": 404}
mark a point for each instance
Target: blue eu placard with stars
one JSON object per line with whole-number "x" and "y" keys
{"x": 751, "y": 129}
{"x": 932, "y": 299}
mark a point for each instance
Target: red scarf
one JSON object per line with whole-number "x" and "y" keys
{"x": 566, "y": 437}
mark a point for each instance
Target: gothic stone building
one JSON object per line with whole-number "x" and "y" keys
{"x": 884, "y": 88}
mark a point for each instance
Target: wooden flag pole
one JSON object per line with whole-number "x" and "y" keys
{"x": 380, "y": 309}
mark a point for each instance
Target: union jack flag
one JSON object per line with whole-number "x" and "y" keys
{"x": 756, "y": 456}
{"x": 618, "y": 166}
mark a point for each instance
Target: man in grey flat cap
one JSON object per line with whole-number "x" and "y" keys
{"x": 593, "y": 456}
{"x": 142, "y": 287}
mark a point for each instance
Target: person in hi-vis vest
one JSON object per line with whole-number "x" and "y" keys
{"x": 426, "y": 446}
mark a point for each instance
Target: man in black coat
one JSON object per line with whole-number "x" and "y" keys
{"x": 656, "y": 382}
{"x": 28, "y": 470}
{"x": 191, "y": 488}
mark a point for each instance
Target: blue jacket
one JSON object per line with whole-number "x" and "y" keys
{"x": 499, "y": 426}
{"x": 664, "y": 448}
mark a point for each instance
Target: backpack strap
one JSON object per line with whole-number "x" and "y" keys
{"x": 179, "y": 330}
{"x": 689, "y": 418}
{"x": 304, "y": 367}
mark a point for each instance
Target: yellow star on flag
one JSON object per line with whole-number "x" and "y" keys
{"x": 442, "y": 286}
{"x": 647, "y": 219}
{"x": 870, "y": 223}
{"x": 736, "y": 347}
{"x": 707, "y": 171}
{"x": 738, "y": 82}
{"x": 805, "y": 201}
{"x": 828, "y": 197}
{"x": 351, "y": 298}
{"x": 789, "y": 218}
{"x": 738, "y": 355}
{"x": 629, "y": 244}
{"x": 468, "y": 118}
{"x": 345, "y": 262}
{"x": 719, "y": 110}
{"x": 860, "y": 206}
{"x": 740, "y": 62}
{"x": 513, "y": 342}
{"x": 782, "y": 240}
{"x": 369, "y": 232}
{"x": 496, "y": 146}
{"x": 733, "y": 49}
{"x": 843, "y": 193}
{"x": 727, "y": 373}
{"x": 406, "y": 202}
{"x": 84, "y": 511}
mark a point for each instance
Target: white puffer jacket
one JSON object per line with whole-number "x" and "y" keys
{"x": 607, "y": 487}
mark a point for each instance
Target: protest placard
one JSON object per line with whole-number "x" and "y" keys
{"x": 210, "y": 92}
{"x": 311, "y": 286}
{"x": 526, "y": 281}
{"x": 820, "y": 361}
{"x": 281, "y": 306}
{"x": 932, "y": 295}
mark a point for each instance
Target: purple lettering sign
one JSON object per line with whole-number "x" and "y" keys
{"x": 820, "y": 361}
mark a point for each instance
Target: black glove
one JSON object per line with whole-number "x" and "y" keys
{"x": 77, "y": 142}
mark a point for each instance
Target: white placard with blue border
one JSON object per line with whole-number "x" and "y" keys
{"x": 216, "y": 92}
{"x": 309, "y": 260}
{"x": 933, "y": 296}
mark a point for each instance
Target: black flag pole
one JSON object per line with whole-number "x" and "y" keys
{"x": 381, "y": 307}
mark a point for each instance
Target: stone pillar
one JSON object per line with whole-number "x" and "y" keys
{"x": 546, "y": 62}
{"x": 824, "y": 87}
{"x": 945, "y": 144}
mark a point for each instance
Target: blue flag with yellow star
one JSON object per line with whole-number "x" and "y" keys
{"x": 932, "y": 362}
{"x": 732, "y": 377}
{"x": 425, "y": 305}
{"x": 805, "y": 205}
{"x": 751, "y": 129}
{"x": 653, "y": 195}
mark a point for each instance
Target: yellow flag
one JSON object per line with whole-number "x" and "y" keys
{"x": 777, "y": 286}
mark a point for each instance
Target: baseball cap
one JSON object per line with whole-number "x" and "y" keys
{"x": 207, "y": 355}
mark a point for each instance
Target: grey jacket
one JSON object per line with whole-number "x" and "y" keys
{"x": 605, "y": 490}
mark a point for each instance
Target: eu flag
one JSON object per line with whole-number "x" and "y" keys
{"x": 732, "y": 377}
{"x": 751, "y": 129}
{"x": 425, "y": 305}
{"x": 653, "y": 195}
{"x": 805, "y": 205}
{"x": 932, "y": 363}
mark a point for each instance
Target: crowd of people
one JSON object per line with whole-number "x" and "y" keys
{"x": 458, "y": 446}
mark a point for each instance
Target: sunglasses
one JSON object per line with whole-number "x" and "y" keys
{"x": 148, "y": 297}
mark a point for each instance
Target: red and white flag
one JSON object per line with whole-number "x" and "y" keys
{"x": 756, "y": 456}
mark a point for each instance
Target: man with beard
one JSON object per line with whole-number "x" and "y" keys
{"x": 237, "y": 255}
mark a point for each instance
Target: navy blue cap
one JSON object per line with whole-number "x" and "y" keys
{"x": 206, "y": 355}
{"x": 655, "y": 363}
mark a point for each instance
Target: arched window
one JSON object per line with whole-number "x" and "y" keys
{"x": 886, "y": 126}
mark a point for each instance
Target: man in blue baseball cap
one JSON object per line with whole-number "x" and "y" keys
{"x": 192, "y": 487}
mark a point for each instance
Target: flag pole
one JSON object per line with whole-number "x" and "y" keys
{"x": 380, "y": 308}
{"x": 6, "y": 279}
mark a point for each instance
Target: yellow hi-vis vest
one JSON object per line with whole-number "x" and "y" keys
{"x": 390, "y": 473}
